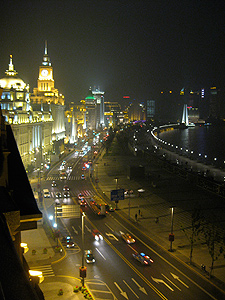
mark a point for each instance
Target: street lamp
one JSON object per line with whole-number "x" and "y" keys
{"x": 116, "y": 189}
{"x": 83, "y": 269}
{"x": 116, "y": 182}
{"x": 171, "y": 235}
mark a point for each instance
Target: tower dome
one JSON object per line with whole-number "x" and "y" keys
{"x": 11, "y": 80}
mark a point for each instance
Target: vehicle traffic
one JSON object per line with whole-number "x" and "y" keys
{"x": 143, "y": 258}
{"x": 97, "y": 205}
{"x": 58, "y": 195}
{"x": 66, "y": 194}
{"x": 69, "y": 242}
{"x": 97, "y": 235}
{"x": 66, "y": 188}
{"x": 89, "y": 257}
{"x": 127, "y": 238}
{"x": 46, "y": 193}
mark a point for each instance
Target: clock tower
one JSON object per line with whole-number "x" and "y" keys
{"x": 45, "y": 79}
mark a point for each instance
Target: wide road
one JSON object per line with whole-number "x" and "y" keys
{"x": 116, "y": 274}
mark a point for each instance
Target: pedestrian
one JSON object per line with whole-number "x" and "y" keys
{"x": 157, "y": 220}
{"x": 136, "y": 217}
{"x": 139, "y": 212}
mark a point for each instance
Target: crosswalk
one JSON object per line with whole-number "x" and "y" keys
{"x": 46, "y": 270}
{"x": 51, "y": 178}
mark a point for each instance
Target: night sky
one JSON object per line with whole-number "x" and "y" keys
{"x": 135, "y": 48}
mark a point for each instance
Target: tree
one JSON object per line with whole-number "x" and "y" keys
{"x": 214, "y": 239}
{"x": 196, "y": 226}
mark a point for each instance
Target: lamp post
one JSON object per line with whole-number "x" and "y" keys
{"x": 171, "y": 235}
{"x": 83, "y": 269}
{"x": 116, "y": 182}
{"x": 116, "y": 189}
{"x": 129, "y": 204}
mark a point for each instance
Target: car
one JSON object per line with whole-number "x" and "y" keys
{"x": 110, "y": 208}
{"x": 82, "y": 176}
{"x": 57, "y": 202}
{"x": 66, "y": 188}
{"x": 127, "y": 238}
{"x": 97, "y": 235}
{"x": 84, "y": 168}
{"x": 89, "y": 257}
{"x": 58, "y": 195}
{"x": 53, "y": 183}
{"x": 66, "y": 194}
{"x": 70, "y": 168}
{"x": 62, "y": 175}
{"x": 143, "y": 258}
{"x": 69, "y": 242}
{"x": 80, "y": 196}
{"x": 82, "y": 202}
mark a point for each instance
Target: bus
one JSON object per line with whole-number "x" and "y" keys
{"x": 97, "y": 205}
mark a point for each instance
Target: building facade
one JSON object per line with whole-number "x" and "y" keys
{"x": 46, "y": 98}
{"x": 31, "y": 128}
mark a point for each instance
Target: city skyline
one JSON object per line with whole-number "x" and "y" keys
{"x": 135, "y": 48}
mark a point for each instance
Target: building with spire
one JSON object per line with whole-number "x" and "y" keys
{"x": 46, "y": 98}
{"x": 31, "y": 136}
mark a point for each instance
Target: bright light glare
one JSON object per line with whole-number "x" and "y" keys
{"x": 51, "y": 217}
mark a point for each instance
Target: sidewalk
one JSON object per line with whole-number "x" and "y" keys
{"x": 154, "y": 205}
{"x": 43, "y": 260}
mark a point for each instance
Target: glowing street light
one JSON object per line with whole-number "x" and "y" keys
{"x": 171, "y": 235}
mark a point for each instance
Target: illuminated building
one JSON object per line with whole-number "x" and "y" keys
{"x": 113, "y": 115}
{"x": 100, "y": 107}
{"x": 215, "y": 107}
{"x": 75, "y": 118}
{"x": 32, "y": 129}
{"x": 91, "y": 111}
{"x": 150, "y": 109}
{"x": 19, "y": 212}
{"x": 47, "y": 98}
{"x": 136, "y": 111}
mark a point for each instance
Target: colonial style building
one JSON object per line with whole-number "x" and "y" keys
{"x": 46, "y": 98}
{"x": 32, "y": 128}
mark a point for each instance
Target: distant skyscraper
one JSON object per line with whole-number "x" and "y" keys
{"x": 99, "y": 98}
{"x": 215, "y": 103}
{"x": 150, "y": 109}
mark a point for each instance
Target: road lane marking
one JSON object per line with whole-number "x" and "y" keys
{"x": 112, "y": 236}
{"x": 170, "y": 264}
{"x": 176, "y": 277}
{"x": 132, "y": 266}
{"x": 75, "y": 230}
{"x": 130, "y": 289}
{"x": 88, "y": 229}
{"x": 142, "y": 289}
{"x": 109, "y": 227}
{"x": 171, "y": 281}
{"x": 124, "y": 294}
{"x": 162, "y": 281}
{"x": 100, "y": 253}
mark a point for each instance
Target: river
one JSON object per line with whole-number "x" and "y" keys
{"x": 203, "y": 143}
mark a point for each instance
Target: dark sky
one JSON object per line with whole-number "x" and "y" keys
{"x": 125, "y": 47}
